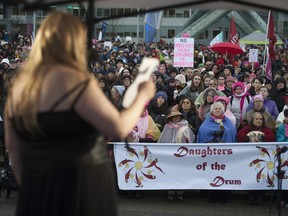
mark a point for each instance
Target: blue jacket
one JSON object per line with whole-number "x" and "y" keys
{"x": 281, "y": 134}
{"x": 209, "y": 126}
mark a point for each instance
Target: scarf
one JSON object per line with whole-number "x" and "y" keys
{"x": 242, "y": 100}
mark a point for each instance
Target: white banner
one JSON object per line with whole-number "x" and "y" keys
{"x": 235, "y": 166}
{"x": 183, "y": 52}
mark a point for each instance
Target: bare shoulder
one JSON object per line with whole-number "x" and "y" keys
{"x": 64, "y": 77}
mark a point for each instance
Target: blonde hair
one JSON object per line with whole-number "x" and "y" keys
{"x": 60, "y": 41}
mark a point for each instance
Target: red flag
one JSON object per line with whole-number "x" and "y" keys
{"x": 233, "y": 35}
{"x": 268, "y": 68}
{"x": 271, "y": 35}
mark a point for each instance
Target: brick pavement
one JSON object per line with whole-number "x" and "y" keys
{"x": 154, "y": 203}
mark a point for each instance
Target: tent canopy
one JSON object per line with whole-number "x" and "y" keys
{"x": 278, "y": 5}
{"x": 257, "y": 37}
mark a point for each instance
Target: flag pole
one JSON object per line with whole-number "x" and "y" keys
{"x": 266, "y": 51}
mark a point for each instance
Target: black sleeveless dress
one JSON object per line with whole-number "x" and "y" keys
{"x": 67, "y": 170}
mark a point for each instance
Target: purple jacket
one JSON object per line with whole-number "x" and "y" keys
{"x": 269, "y": 105}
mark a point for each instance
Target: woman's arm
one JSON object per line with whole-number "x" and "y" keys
{"x": 95, "y": 108}
{"x": 13, "y": 143}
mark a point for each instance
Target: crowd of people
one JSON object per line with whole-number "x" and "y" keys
{"x": 221, "y": 99}
{"x": 242, "y": 89}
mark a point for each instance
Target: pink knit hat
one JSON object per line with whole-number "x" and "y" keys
{"x": 259, "y": 97}
{"x": 222, "y": 98}
{"x": 240, "y": 84}
{"x": 252, "y": 75}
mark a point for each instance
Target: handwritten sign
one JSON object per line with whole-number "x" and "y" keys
{"x": 183, "y": 52}
{"x": 253, "y": 55}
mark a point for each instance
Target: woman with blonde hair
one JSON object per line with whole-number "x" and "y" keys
{"x": 56, "y": 119}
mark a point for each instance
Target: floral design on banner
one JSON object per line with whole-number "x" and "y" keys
{"x": 140, "y": 166}
{"x": 266, "y": 165}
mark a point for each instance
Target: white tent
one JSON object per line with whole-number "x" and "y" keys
{"x": 257, "y": 37}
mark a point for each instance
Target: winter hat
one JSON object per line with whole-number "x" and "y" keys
{"x": 181, "y": 78}
{"x": 120, "y": 89}
{"x": 162, "y": 94}
{"x": 222, "y": 98}
{"x": 258, "y": 97}
{"x": 230, "y": 79}
{"x": 240, "y": 84}
{"x": 5, "y": 60}
{"x": 252, "y": 75}
{"x": 173, "y": 69}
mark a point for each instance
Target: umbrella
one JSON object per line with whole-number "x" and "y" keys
{"x": 227, "y": 48}
{"x": 257, "y": 37}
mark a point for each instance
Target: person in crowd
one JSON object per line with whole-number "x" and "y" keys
{"x": 176, "y": 130}
{"x": 215, "y": 69}
{"x": 228, "y": 86}
{"x": 269, "y": 105}
{"x": 221, "y": 82}
{"x": 105, "y": 88}
{"x": 279, "y": 93}
{"x": 65, "y": 124}
{"x": 239, "y": 102}
{"x": 145, "y": 130}
{"x": 213, "y": 82}
{"x": 189, "y": 110}
{"x": 208, "y": 97}
{"x": 158, "y": 109}
{"x": 217, "y": 128}
{"x": 195, "y": 88}
{"x": 200, "y": 99}
{"x": 117, "y": 92}
{"x": 189, "y": 75}
{"x": 126, "y": 81}
{"x": 225, "y": 101}
{"x": 282, "y": 130}
{"x": 258, "y": 106}
{"x": 256, "y": 124}
{"x": 255, "y": 86}
{"x": 111, "y": 77}
{"x": 256, "y": 131}
{"x": 206, "y": 81}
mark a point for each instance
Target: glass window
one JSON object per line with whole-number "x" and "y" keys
{"x": 186, "y": 13}
{"x": 99, "y": 12}
{"x": 216, "y": 32}
{"x": 165, "y": 13}
{"x": 106, "y": 12}
{"x": 113, "y": 11}
{"x": 171, "y": 33}
{"x": 127, "y": 10}
{"x": 171, "y": 13}
{"x": 120, "y": 11}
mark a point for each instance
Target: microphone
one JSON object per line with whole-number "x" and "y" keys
{"x": 282, "y": 150}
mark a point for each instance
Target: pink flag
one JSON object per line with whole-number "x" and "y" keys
{"x": 233, "y": 35}
{"x": 268, "y": 68}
